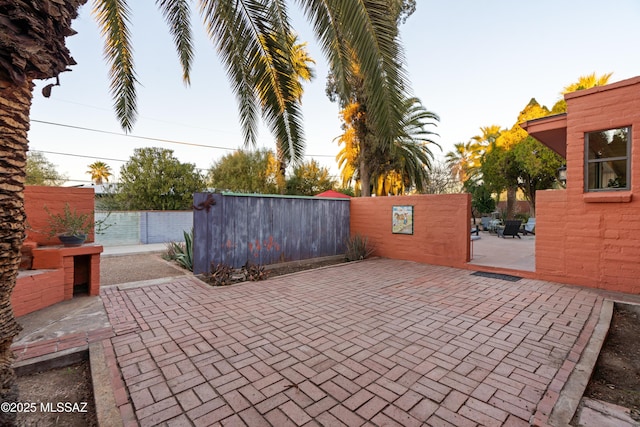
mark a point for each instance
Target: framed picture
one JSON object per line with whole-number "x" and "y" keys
{"x": 402, "y": 219}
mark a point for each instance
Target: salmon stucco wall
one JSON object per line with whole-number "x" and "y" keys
{"x": 593, "y": 238}
{"x": 441, "y": 227}
{"x": 54, "y": 198}
{"x": 37, "y": 291}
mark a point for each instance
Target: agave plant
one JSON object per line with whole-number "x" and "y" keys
{"x": 185, "y": 258}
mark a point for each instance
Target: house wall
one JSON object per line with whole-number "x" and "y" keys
{"x": 54, "y": 198}
{"x": 441, "y": 227}
{"x": 593, "y": 239}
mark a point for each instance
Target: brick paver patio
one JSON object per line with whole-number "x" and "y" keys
{"x": 379, "y": 342}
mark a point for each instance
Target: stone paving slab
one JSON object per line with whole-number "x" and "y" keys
{"x": 379, "y": 342}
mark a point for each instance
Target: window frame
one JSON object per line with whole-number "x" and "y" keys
{"x": 588, "y": 162}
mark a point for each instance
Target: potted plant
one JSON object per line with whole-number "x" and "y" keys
{"x": 71, "y": 227}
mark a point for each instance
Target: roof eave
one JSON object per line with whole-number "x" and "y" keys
{"x": 551, "y": 131}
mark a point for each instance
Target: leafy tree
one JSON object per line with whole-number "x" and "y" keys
{"x": 499, "y": 171}
{"x": 309, "y": 179}
{"x": 245, "y": 172}
{"x": 154, "y": 179}
{"x": 41, "y": 171}
{"x": 516, "y": 160}
{"x": 100, "y": 172}
{"x": 481, "y": 200}
{"x": 346, "y": 190}
{"x": 537, "y": 165}
{"x": 250, "y": 37}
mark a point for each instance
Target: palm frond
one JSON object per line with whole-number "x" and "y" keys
{"x": 325, "y": 23}
{"x": 178, "y": 16}
{"x": 113, "y": 20}
{"x": 371, "y": 32}
{"x": 252, "y": 41}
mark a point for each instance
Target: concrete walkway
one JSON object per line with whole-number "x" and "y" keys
{"x": 379, "y": 342}
{"x": 512, "y": 253}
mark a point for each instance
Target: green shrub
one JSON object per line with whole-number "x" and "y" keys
{"x": 358, "y": 247}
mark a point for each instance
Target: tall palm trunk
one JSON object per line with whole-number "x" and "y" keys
{"x": 365, "y": 178}
{"x": 32, "y": 46}
{"x": 282, "y": 169}
{"x": 15, "y": 103}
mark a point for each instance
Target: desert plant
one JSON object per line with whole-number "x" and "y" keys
{"x": 173, "y": 249}
{"x": 69, "y": 224}
{"x": 358, "y": 247}
{"x": 221, "y": 274}
{"x": 181, "y": 253}
{"x": 254, "y": 272}
{"x": 185, "y": 259}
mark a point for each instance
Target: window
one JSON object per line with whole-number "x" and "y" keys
{"x": 607, "y": 159}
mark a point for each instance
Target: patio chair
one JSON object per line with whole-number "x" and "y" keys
{"x": 529, "y": 227}
{"x": 511, "y": 228}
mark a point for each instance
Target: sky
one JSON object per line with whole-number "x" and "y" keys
{"x": 474, "y": 63}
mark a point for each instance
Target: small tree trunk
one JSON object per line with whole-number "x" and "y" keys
{"x": 511, "y": 201}
{"x": 15, "y": 103}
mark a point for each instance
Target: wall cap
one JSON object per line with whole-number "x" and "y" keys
{"x": 608, "y": 197}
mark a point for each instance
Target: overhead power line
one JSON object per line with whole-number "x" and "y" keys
{"x": 149, "y": 138}
{"x": 79, "y": 155}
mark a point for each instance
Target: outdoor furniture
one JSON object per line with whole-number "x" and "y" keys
{"x": 473, "y": 239}
{"x": 511, "y": 228}
{"x": 529, "y": 227}
{"x": 494, "y": 225}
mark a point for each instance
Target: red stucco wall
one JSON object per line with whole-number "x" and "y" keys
{"x": 593, "y": 239}
{"x": 440, "y": 233}
{"x": 54, "y": 198}
{"x": 57, "y": 276}
{"x": 37, "y": 291}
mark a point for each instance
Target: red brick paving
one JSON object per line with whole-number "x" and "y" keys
{"x": 380, "y": 342}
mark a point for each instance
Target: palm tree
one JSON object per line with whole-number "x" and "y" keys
{"x": 33, "y": 48}
{"x": 584, "y": 82}
{"x": 464, "y": 160}
{"x": 587, "y": 82}
{"x": 348, "y": 155}
{"x": 404, "y": 164}
{"x": 99, "y": 171}
{"x": 409, "y": 160}
{"x": 489, "y": 135}
{"x": 303, "y": 71}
